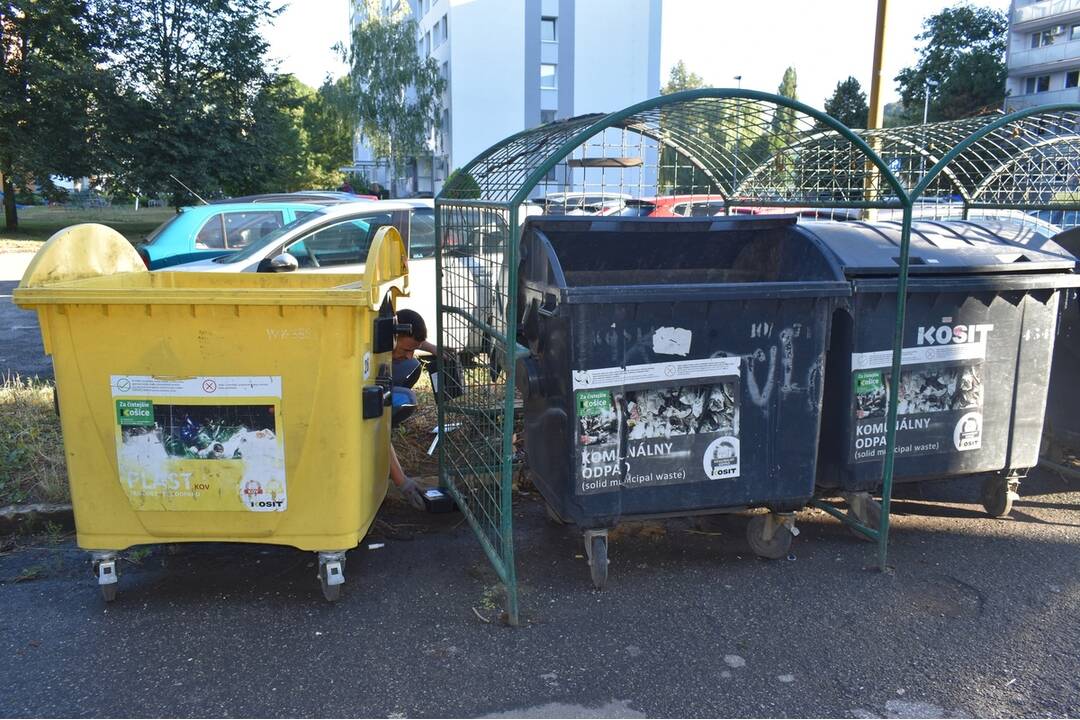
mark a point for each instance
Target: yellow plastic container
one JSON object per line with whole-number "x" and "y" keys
{"x": 214, "y": 406}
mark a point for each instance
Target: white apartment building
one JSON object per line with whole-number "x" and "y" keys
{"x": 514, "y": 64}
{"x": 1043, "y": 53}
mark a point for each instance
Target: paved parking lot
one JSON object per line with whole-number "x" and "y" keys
{"x": 20, "y": 337}
{"x": 977, "y": 617}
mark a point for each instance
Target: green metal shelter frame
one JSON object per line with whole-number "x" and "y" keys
{"x": 747, "y": 150}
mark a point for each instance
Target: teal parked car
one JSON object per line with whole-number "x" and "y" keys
{"x": 206, "y": 231}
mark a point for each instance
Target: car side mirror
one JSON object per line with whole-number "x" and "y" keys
{"x": 283, "y": 263}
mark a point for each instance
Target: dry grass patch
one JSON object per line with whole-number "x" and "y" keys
{"x": 32, "y": 466}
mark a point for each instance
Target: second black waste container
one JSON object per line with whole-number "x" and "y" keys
{"x": 1061, "y": 431}
{"x": 674, "y": 367}
{"x": 978, "y": 340}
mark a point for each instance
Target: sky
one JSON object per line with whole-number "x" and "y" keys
{"x": 824, "y": 40}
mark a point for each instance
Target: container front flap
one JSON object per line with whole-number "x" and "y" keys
{"x": 953, "y": 247}
{"x": 81, "y": 251}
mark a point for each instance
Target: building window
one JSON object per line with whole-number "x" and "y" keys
{"x": 1042, "y": 39}
{"x": 547, "y": 29}
{"x": 1072, "y": 79}
{"x": 445, "y": 28}
{"x": 427, "y": 43}
{"x": 437, "y": 33}
{"x": 424, "y": 7}
{"x": 547, "y": 116}
{"x": 547, "y": 76}
{"x": 1037, "y": 84}
{"x": 444, "y": 71}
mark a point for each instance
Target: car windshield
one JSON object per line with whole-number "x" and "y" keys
{"x": 256, "y": 248}
{"x": 160, "y": 229}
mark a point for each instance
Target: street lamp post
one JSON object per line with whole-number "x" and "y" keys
{"x": 930, "y": 84}
{"x": 735, "y": 150}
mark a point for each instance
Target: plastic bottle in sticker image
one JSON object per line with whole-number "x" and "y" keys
{"x": 721, "y": 459}
{"x": 968, "y": 432}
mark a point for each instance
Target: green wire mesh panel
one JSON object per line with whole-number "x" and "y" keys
{"x": 713, "y": 151}
{"x": 476, "y": 424}
{"x": 700, "y": 152}
{"x": 1027, "y": 164}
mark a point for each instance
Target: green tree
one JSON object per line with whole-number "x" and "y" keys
{"x": 680, "y": 78}
{"x": 848, "y": 104}
{"x": 781, "y": 127}
{"x": 964, "y": 51}
{"x": 192, "y": 74}
{"x": 50, "y": 84}
{"x": 395, "y": 92}
{"x": 330, "y": 124}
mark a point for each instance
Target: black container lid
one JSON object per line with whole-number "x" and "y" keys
{"x": 952, "y": 247}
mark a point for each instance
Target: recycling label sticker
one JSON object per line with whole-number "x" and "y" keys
{"x": 198, "y": 444}
{"x": 939, "y": 407}
{"x": 657, "y": 424}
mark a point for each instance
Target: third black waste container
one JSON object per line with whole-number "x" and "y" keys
{"x": 675, "y": 367}
{"x": 979, "y": 336}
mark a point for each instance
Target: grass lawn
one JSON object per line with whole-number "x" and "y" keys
{"x": 32, "y": 465}
{"x": 37, "y": 224}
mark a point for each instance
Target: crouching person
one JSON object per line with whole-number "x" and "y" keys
{"x": 405, "y": 347}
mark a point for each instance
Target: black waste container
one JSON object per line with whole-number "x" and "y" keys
{"x": 1061, "y": 431}
{"x": 675, "y": 367}
{"x": 978, "y": 339}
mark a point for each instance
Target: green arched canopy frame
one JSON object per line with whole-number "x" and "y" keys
{"x": 749, "y": 150}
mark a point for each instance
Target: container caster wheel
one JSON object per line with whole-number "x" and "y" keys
{"x": 867, "y": 511}
{"x": 331, "y": 574}
{"x": 596, "y": 549}
{"x": 769, "y": 536}
{"x": 998, "y": 496}
{"x": 104, "y": 564}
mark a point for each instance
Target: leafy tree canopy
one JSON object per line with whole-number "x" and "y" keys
{"x": 681, "y": 78}
{"x": 396, "y": 94}
{"x": 848, "y": 104}
{"x": 964, "y": 52}
{"x": 192, "y": 74}
{"x": 50, "y": 83}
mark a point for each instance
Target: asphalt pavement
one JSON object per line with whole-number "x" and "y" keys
{"x": 976, "y": 617}
{"x": 21, "y": 351}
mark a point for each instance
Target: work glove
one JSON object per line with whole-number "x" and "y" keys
{"x": 413, "y": 493}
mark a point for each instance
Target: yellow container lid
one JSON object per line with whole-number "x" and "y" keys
{"x": 94, "y": 264}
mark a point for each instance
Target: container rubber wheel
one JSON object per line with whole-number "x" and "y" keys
{"x": 598, "y": 563}
{"x": 108, "y": 592}
{"x": 332, "y": 593}
{"x": 872, "y": 519}
{"x": 773, "y": 549}
{"x": 997, "y": 497}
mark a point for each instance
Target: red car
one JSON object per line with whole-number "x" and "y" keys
{"x": 685, "y": 205}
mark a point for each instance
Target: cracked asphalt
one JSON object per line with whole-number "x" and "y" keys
{"x": 976, "y": 617}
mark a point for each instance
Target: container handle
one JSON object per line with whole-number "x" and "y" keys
{"x": 387, "y": 266}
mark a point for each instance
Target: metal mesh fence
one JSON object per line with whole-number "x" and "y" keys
{"x": 692, "y": 154}
{"x": 475, "y": 269}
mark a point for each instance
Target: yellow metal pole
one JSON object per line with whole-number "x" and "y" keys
{"x": 877, "y": 105}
